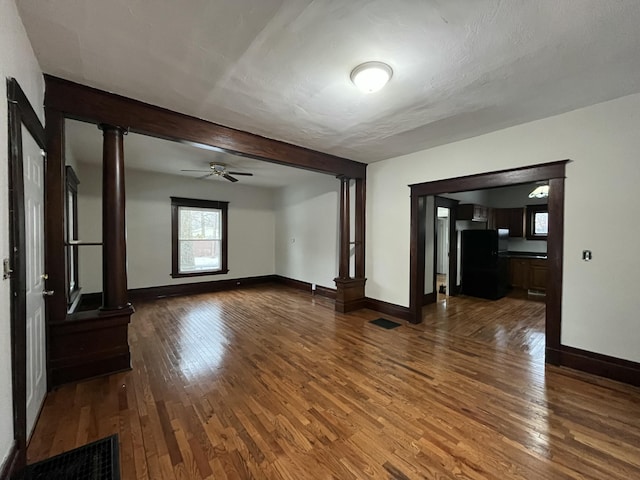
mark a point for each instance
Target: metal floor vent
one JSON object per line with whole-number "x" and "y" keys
{"x": 384, "y": 323}
{"x": 94, "y": 461}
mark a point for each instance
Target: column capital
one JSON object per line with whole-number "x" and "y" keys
{"x": 108, "y": 127}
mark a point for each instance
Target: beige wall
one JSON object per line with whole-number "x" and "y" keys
{"x": 307, "y": 231}
{"x": 600, "y": 299}
{"x": 251, "y": 226}
{"x": 16, "y": 60}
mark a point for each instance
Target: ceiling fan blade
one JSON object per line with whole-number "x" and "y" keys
{"x": 203, "y": 171}
{"x": 241, "y": 173}
{"x": 229, "y": 177}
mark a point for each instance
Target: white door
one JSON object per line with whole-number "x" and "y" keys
{"x": 33, "y": 165}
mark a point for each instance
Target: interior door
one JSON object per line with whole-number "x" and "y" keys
{"x": 33, "y": 171}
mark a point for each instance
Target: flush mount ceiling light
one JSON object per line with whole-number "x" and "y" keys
{"x": 541, "y": 191}
{"x": 371, "y": 76}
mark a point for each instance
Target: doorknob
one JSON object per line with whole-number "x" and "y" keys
{"x": 47, "y": 293}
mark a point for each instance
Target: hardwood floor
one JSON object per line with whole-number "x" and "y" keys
{"x": 270, "y": 382}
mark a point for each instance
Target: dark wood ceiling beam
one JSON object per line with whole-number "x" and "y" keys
{"x": 97, "y": 106}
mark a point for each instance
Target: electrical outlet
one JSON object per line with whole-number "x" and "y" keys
{"x": 313, "y": 287}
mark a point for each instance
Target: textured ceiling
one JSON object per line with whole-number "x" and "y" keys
{"x": 280, "y": 68}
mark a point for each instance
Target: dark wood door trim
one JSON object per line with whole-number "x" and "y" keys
{"x": 89, "y": 104}
{"x": 555, "y": 173}
{"x": 500, "y": 178}
{"x": 20, "y": 113}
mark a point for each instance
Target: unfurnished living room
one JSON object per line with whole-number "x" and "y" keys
{"x": 280, "y": 239}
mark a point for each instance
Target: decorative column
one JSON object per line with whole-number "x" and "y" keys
{"x": 349, "y": 290}
{"x": 114, "y": 243}
{"x": 345, "y": 228}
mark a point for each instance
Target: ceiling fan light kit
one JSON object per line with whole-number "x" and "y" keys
{"x": 370, "y": 77}
{"x": 220, "y": 170}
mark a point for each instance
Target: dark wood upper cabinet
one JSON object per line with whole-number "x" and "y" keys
{"x": 470, "y": 211}
{"x": 511, "y": 218}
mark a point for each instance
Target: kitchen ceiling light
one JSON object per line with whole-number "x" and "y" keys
{"x": 541, "y": 191}
{"x": 371, "y": 76}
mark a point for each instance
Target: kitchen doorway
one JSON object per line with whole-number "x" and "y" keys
{"x": 555, "y": 173}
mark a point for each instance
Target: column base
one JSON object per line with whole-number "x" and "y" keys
{"x": 89, "y": 344}
{"x": 349, "y": 294}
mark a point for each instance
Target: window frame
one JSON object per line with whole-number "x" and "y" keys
{"x": 177, "y": 202}
{"x": 531, "y": 213}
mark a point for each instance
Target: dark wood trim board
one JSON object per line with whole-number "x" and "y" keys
{"x": 428, "y": 298}
{"x": 388, "y": 308}
{"x": 93, "y": 300}
{"x": 306, "y": 286}
{"x": 595, "y": 363}
{"x": 89, "y": 104}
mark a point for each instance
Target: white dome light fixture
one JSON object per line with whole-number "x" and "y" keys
{"x": 371, "y": 76}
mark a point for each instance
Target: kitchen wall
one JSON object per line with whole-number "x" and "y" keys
{"x": 516, "y": 197}
{"x": 251, "y": 226}
{"x": 16, "y": 60}
{"x": 603, "y": 143}
{"x": 307, "y": 231}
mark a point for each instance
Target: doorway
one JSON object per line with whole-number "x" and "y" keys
{"x": 26, "y": 270}
{"x": 445, "y": 274}
{"x": 555, "y": 172}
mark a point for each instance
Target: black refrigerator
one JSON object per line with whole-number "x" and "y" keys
{"x": 485, "y": 264}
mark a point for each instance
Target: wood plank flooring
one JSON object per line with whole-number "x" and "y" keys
{"x": 271, "y": 383}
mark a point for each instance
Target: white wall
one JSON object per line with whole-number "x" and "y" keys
{"x": 16, "y": 60}
{"x": 251, "y": 226}
{"x": 307, "y": 231}
{"x": 600, "y": 299}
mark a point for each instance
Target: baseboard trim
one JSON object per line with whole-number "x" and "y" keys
{"x": 306, "y": 286}
{"x": 93, "y": 300}
{"x": 605, "y": 366}
{"x": 388, "y": 308}
{"x": 428, "y": 298}
{"x": 65, "y": 372}
{"x": 10, "y": 465}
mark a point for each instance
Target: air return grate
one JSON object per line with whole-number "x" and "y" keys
{"x": 384, "y": 323}
{"x": 94, "y": 461}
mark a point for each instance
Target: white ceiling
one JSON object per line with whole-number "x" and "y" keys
{"x": 280, "y": 68}
{"x": 84, "y": 144}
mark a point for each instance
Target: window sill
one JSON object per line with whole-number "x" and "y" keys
{"x": 538, "y": 237}
{"x": 198, "y": 274}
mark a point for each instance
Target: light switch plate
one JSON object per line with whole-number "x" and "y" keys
{"x": 6, "y": 269}
{"x": 586, "y": 255}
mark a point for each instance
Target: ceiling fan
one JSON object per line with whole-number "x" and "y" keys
{"x": 219, "y": 170}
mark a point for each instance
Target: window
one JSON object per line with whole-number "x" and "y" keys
{"x": 537, "y": 222}
{"x": 199, "y": 237}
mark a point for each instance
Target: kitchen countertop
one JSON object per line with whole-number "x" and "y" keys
{"x": 537, "y": 255}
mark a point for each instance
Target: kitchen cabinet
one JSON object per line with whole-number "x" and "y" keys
{"x": 528, "y": 273}
{"x": 470, "y": 211}
{"x": 511, "y": 218}
{"x": 538, "y": 274}
{"x": 518, "y": 270}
